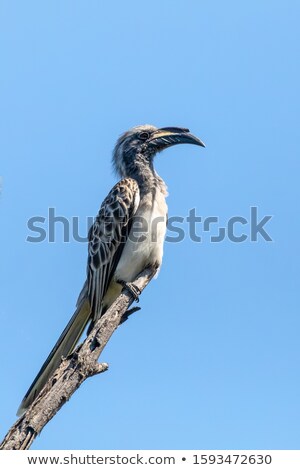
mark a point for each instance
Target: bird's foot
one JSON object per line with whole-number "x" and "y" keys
{"x": 132, "y": 288}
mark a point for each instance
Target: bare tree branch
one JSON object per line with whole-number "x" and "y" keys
{"x": 73, "y": 371}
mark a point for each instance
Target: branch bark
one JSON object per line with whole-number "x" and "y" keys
{"x": 73, "y": 371}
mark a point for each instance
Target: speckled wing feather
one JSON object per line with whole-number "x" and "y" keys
{"x": 107, "y": 238}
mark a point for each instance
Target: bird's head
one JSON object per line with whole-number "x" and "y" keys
{"x": 138, "y": 146}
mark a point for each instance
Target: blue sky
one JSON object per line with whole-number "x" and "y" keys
{"x": 212, "y": 360}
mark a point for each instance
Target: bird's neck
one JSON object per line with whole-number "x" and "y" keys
{"x": 147, "y": 178}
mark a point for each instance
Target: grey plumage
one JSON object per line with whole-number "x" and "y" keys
{"x": 115, "y": 253}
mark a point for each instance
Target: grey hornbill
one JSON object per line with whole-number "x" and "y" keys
{"x": 115, "y": 254}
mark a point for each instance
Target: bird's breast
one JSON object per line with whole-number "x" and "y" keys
{"x": 146, "y": 238}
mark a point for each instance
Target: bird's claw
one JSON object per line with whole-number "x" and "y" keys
{"x": 132, "y": 288}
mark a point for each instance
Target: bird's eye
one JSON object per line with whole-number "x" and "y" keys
{"x": 144, "y": 135}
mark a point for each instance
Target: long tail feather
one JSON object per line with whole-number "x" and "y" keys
{"x": 64, "y": 346}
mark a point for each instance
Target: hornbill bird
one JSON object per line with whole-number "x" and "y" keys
{"x": 116, "y": 255}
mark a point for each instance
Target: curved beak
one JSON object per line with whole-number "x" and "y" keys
{"x": 169, "y": 136}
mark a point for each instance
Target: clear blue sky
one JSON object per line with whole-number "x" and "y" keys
{"x": 212, "y": 360}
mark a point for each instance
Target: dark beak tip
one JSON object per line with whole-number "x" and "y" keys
{"x": 194, "y": 140}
